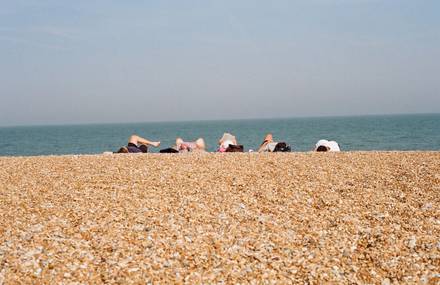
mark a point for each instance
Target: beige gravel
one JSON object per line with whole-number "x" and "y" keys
{"x": 221, "y": 218}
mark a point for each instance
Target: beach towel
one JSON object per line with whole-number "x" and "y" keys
{"x": 169, "y": 150}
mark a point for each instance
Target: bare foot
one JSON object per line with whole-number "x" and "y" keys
{"x": 155, "y": 144}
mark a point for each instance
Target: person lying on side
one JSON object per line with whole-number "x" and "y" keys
{"x": 137, "y": 144}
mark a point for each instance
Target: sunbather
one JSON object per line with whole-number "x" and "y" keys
{"x": 269, "y": 145}
{"x": 228, "y": 143}
{"x": 137, "y": 144}
{"x": 197, "y": 145}
{"x": 325, "y": 145}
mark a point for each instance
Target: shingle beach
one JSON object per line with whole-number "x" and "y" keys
{"x": 354, "y": 217}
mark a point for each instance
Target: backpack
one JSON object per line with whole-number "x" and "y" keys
{"x": 282, "y": 147}
{"x": 235, "y": 148}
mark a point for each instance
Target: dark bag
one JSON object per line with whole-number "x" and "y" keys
{"x": 282, "y": 147}
{"x": 234, "y": 148}
{"x": 169, "y": 150}
{"x": 143, "y": 148}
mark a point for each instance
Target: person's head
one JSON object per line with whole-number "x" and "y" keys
{"x": 322, "y": 148}
{"x": 123, "y": 150}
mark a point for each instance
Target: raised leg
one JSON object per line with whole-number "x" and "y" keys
{"x": 179, "y": 141}
{"x": 268, "y": 139}
{"x": 200, "y": 143}
{"x": 135, "y": 139}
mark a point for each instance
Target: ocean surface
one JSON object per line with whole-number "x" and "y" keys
{"x": 391, "y": 132}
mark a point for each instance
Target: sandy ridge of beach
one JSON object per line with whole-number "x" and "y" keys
{"x": 354, "y": 217}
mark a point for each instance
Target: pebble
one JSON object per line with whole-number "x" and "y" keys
{"x": 301, "y": 218}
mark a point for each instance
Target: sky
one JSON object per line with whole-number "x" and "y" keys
{"x": 93, "y": 61}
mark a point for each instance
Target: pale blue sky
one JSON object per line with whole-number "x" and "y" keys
{"x": 136, "y": 61}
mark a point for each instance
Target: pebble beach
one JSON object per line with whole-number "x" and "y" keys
{"x": 204, "y": 218}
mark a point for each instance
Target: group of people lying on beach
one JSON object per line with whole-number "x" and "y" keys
{"x": 227, "y": 143}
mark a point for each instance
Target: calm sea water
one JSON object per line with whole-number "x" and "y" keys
{"x": 397, "y": 132}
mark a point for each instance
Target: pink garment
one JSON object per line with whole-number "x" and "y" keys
{"x": 188, "y": 145}
{"x": 222, "y": 149}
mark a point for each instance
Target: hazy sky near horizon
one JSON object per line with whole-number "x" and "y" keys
{"x": 135, "y": 61}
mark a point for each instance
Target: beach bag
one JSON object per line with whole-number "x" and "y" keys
{"x": 282, "y": 147}
{"x": 169, "y": 150}
{"x": 235, "y": 148}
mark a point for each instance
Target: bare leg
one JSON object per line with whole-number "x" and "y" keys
{"x": 179, "y": 141}
{"x": 135, "y": 139}
{"x": 200, "y": 143}
{"x": 268, "y": 139}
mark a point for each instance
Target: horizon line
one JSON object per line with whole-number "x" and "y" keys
{"x": 217, "y": 120}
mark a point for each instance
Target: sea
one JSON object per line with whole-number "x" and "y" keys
{"x": 356, "y": 133}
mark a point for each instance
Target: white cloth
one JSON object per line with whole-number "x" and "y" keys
{"x": 332, "y": 145}
{"x": 270, "y": 147}
{"x": 228, "y": 137}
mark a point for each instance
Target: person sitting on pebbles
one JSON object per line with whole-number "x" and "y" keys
{"x": 137, "y": 144}
{"x": 325, "y": 145}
